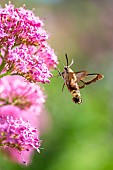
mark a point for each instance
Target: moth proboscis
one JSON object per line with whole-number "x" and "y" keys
{"x": 77, "y": 80}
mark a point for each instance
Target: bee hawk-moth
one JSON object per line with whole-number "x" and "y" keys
{"x": 77, "y": 80}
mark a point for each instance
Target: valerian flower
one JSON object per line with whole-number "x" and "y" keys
{"x": 18, "y": 134}
{"x": 21, "y": 105}
{"x": 25, "y": 59}
{"x": 14, "y": 90}
{"x": 24, "y": 49}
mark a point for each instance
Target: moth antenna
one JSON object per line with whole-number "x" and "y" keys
{"x": 66, "y": 59}
{"x": 63, "y": 87}
{"x": 71, "y": 63}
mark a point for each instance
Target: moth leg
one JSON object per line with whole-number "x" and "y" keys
{"x": 63, "y": 86}
{"x": 59, "y": 73}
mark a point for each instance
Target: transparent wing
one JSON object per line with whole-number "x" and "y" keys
{"x": 91, "y": 78}
{"x": 81, "y": 75}
{"x": 81, "y": 84}
{"x": 88, "y": 79}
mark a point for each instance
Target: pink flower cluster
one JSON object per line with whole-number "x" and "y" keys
{"x": 16, "y": 133}
{"x": 17, "y": 92}
{"x": 24, "y": 48}
{"x": 25, "y": 59}
{"x": 21, "y": 105}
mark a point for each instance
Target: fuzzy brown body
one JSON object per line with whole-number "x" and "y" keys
{"x": 70, "y": 80}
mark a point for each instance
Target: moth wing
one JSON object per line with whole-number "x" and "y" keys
{"x": 81, "y": 84}
{"x": 80, "y": 75}
{"x": 89, "y": 78}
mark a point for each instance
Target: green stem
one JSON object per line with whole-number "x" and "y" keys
{"x": 3, "y": 64}
{"x": 5, "y": 74}
{"x": 5, "y": 102}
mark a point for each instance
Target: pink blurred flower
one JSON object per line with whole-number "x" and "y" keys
{"x": 24, "y": 54}
{"x": 14, "y": 90}
{"x": 21, "y": 104}
{"x": 18, "y": 134}
{"x": 24, "y": 48}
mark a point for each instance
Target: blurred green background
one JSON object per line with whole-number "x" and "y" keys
{"x": 78, "y": 137}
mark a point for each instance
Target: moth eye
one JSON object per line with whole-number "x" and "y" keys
{"x": 66, "y": 69}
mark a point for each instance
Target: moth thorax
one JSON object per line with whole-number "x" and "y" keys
{"x": 70, "y": 70}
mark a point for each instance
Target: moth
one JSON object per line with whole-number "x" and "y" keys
{"x": 77, "y": 80}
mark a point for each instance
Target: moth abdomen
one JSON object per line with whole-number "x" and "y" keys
{"x": 76, "y": 96}
{"x": 76, "y": 99}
